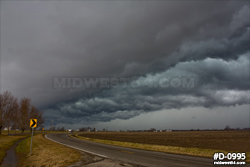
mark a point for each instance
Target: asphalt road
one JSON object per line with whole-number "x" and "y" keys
{"x": 132, "y": 156}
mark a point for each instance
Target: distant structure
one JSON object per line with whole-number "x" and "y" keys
{"x": 6, "y": 128}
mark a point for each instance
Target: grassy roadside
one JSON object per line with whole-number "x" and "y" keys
{"x": 167, "y": 149}
{"x": 46, "y": 153}
{"x": 5, "y": 143}
{"x": 5, "y": 132}
{"x": 19, "y": 132}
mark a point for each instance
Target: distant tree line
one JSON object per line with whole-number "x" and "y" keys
{"x": 53, "y": 128}
{"x": 16, "y": 113}
{"x": 227, "y": 128}
{"x": 88, "y": 129}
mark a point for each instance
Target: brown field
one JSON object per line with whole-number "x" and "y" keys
{"x": 217, "y": 140}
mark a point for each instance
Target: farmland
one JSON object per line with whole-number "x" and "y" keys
{"x": 216, "y": 140}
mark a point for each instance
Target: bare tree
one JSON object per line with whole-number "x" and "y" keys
{"x": 23, "y": 114}
{"x": 53, "y": 128}
{"x": 8, "y": 104}
{"x": 13, "y": 114}
{"x": 3, "y": 114}
{"x": 26, "y": 112}
{"x": 12, "y": 107}
{"x": 62, "y": 129}
{"x": 227, "y": 128}
{"x": 83, "y": 129}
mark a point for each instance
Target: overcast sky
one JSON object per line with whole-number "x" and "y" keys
{"x": 186, "y": 63}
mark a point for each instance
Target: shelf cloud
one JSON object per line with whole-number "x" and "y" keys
{"x": 176, "y": 55}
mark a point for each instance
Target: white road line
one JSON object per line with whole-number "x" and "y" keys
{"x": 77, "y": 148}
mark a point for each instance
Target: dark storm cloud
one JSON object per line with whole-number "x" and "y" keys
{"x": 205, "y": 40}
{"x": 222, "y": 87}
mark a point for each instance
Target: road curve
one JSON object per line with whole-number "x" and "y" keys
{"x": 129, "y": 155}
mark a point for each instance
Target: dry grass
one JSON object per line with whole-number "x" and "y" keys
{"x": 5, "y": 143}
{"x": 219, "y": 140}
{"x": 46, "y": 153}
{"x": 17, "y": 132}
{"x": 202, "y": 143}
{"x": 5, "y": 132}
